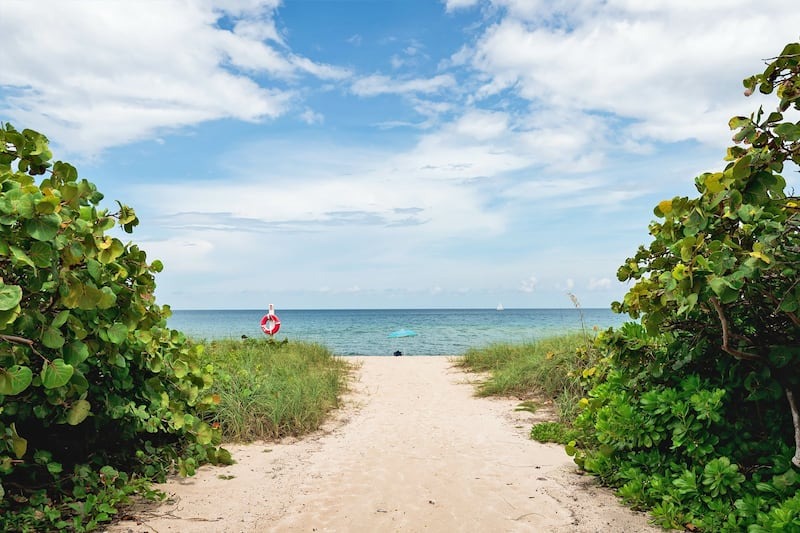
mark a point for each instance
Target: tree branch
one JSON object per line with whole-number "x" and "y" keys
{"x": 796, "y": 423}
{"x": 14, "y": 339}
{"x": 726, "y": 334}
{"x": 793, "y": 317}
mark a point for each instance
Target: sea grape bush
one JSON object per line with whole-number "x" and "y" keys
{"x": 95, "y": 389}
{"x": 691, "y": 412}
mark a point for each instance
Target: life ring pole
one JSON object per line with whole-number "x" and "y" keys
{"x": 270, "y": 323}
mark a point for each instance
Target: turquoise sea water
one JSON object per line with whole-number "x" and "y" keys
{"x": 365, "y": 331}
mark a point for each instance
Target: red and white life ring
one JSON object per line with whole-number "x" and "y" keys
{"x": 270, "y": 324}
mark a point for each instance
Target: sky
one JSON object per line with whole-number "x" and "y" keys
{"x": 324, "y": 154}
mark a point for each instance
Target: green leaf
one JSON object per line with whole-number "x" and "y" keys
{"x": 65, "y": 171}
{"x": 75, "y": 353}
{"x": 41, "y": 253}
{"x": 19, "y": 445}
{"x": 43, "y": 228}
{"x": 60, "y": 319}
{"x": 719, "y": 285}
{"x": 180, "y": 368}
{"x": 20, "y": 203}
{"x": 204, "y": 434}
{"x": 94, "y": 268}
{"x": 56, "y": 374}
{"x": 10, "y": 296}
{"x": 9, "y": 316}
{"x": 741, "y": 168}
{"x": 19, "y": 257}
{"x": 114, "y": 250}
{"x": 53, "y": 338}
{"x": 79, "y": 382}
{"x": 47, "y": 205}
{"x": 788, "y": 131}
{"x": 78, "y": 412}
{"x": 789, "y": 305}
{"x": 15, "y": 379}
{"x": 55, "y": 468}
{"x": 712, "y": 183}
{"x": 117, "y": 333}
{"x": 107, "y": 298}
{"x": 738, "y": 122}
{"x": 81, "y": 295}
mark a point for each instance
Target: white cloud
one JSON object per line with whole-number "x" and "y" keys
{"x": 258, "y": 30}
{"x": 376, "y": 84}
{"x": 599, "y": 284}
{"x": 480, "y": 143}
{"x": 93, "y": 84}
{"x": 185, "y": 254}
{"x": 481, "y": 125}
{"x": 309, "y": 116}
{"x": 528, "y": 285}
{"x": 339, "y": 190}
{"x": 320, "y": 70}
{"x": 452, "y": 5}
{"x": 673, "y": 69}
{"x": 355, "y": 39}
{"x": 431, "y": 109}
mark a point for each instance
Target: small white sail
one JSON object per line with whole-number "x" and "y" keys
{"x": 500, "y": 307}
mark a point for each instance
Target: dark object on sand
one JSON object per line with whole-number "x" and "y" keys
{"x": 398, "y": 353}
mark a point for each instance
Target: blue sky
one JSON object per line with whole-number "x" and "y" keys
{"x": 382, "y": 153}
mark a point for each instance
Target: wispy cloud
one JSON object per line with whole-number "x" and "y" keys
{"x": 529, "y": 285}
{"x": 379, "y": 84}
{"x": 309, "y": 116}
{"x": 142, "y": 69}
{"x": 634, "y": 61}
{"x": 452, "y": 5}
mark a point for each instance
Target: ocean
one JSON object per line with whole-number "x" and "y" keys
{"x": 366, "y": 331}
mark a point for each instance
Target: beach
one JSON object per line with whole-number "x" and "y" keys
{"x": 412, "y": 449}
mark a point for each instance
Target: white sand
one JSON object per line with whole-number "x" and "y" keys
{"x": 413, "y": 450}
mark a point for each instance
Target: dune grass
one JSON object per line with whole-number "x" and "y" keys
{"x": 548, "y": 369}
{"x": 271, "y": 390}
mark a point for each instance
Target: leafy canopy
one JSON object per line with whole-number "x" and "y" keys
{"x": 693, "y": 412}
{"x": 90, "y": 374}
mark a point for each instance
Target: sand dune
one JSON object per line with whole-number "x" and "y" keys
{"x": 412, "y": 450}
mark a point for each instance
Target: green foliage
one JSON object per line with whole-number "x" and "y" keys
{"x": 724, "y": 265}
{"x": 553, "y": 432}
{"x": 269, "y": 389}
{"x": 96, "y": 393}
{"x": 554, "y": 368}
{"x": 687, "y": 414}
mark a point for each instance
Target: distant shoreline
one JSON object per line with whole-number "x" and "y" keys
{"x": 566, "y": 308}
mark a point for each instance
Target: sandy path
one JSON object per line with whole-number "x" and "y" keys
{"x": 413, "y": 451}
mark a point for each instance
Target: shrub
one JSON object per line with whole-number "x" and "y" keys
{"x": 693, "y": 415}
{"x": 271, "y": 389}
{"x": 95, "y": 390}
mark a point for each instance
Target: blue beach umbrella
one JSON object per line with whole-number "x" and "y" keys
{"x": 402, "y": 333}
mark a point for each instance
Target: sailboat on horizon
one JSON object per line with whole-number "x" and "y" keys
{"x": 500, "y": 307}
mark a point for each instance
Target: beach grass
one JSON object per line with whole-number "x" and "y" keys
{"x": 269, "y": 390}
{"x": 549, "y": 369}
